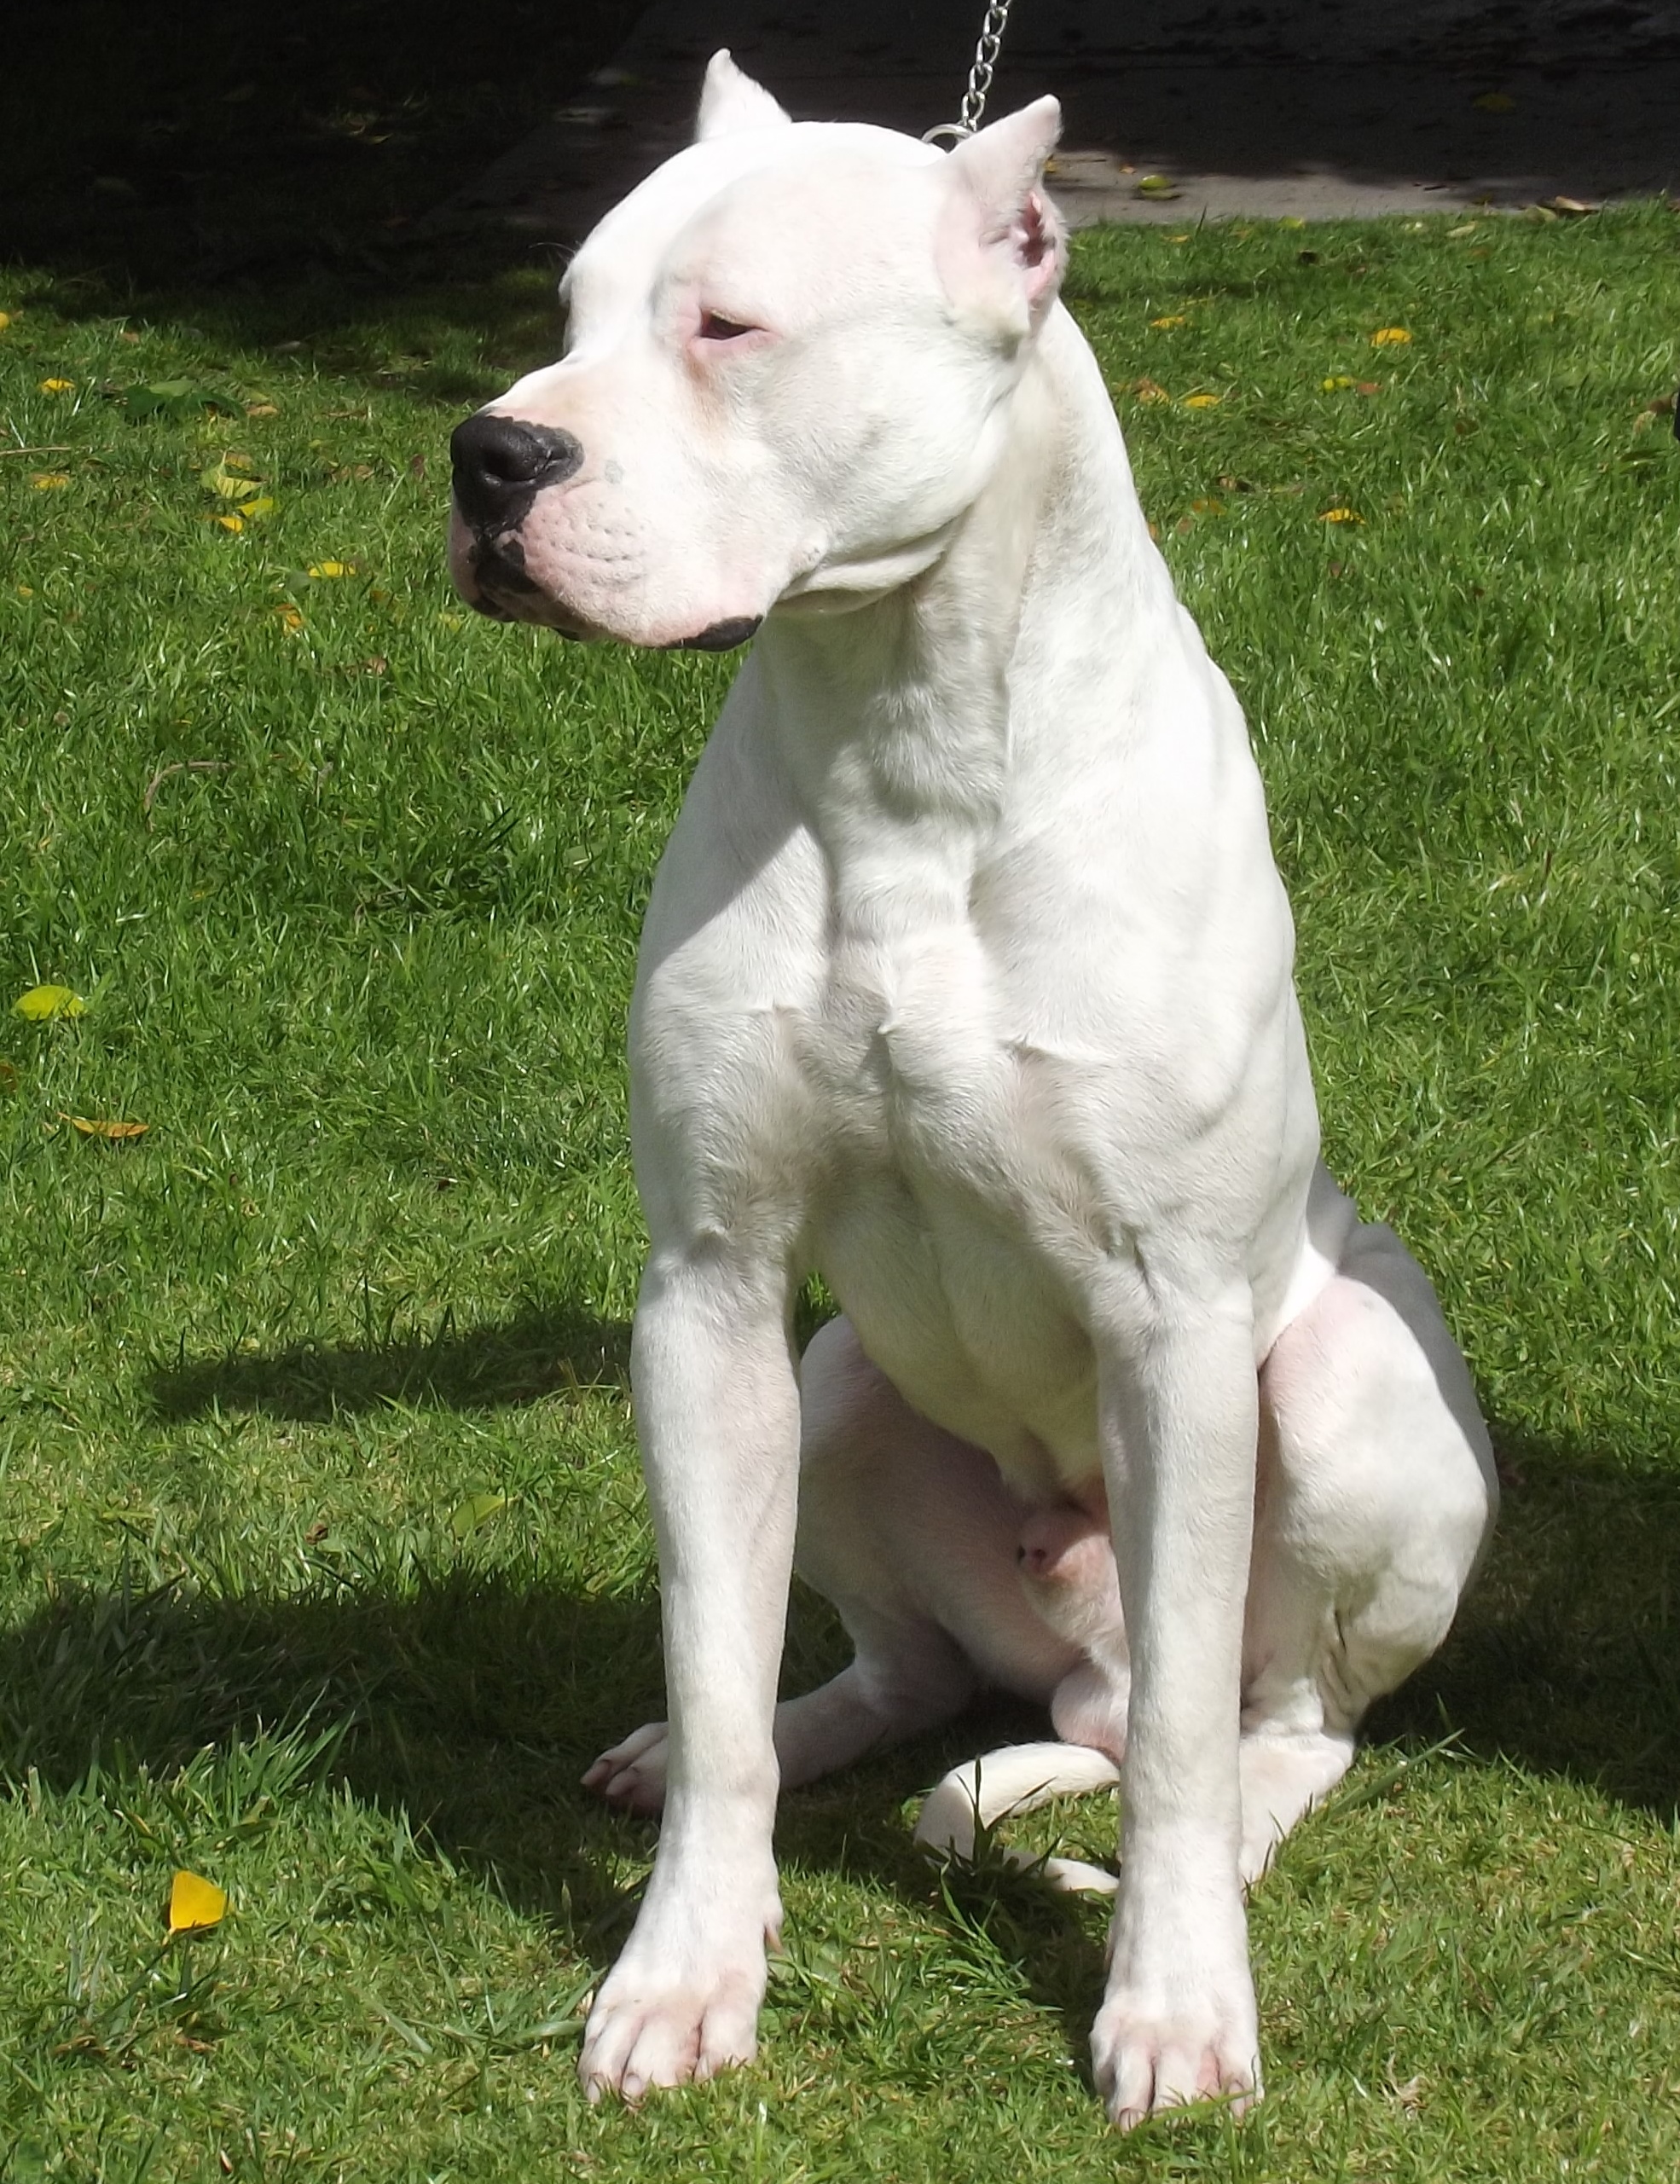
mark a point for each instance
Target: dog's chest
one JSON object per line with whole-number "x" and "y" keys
{"x": 958, "y": 1208}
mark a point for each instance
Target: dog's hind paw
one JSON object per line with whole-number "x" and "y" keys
{"x": 632, "y": 1774}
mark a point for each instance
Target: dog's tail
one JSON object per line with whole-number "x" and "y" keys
{"x": 1018, "y": 1778}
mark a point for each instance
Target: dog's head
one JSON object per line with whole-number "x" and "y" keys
{"x": 786, "y": 358}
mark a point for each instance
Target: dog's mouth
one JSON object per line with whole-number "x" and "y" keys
{"x": 501, "y": 587}
{"x": 718, "y": 636}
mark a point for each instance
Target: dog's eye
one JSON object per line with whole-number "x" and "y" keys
{"x": 714, "y": 327}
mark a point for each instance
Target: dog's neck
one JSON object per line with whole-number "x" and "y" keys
{"x": 903, "y": 712}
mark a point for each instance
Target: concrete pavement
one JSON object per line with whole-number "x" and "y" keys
{"x": 1317, "y": 109}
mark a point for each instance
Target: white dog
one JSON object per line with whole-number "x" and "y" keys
{"x": 966, "y": 980}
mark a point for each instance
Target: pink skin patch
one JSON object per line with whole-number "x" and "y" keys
{"x": 1066, "y": 1566}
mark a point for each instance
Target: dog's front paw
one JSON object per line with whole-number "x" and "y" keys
{"x": 632, "y": 1774}
{"x": 1187, "y": 2034}
{"x": 681, "y": 2004}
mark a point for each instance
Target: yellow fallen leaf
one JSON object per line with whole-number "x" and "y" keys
{"x": 1209, "y": 507}
{"x": 1291, "y": 220}
{"x": 43, "y": 1003}
{"x": 1175, "y": 318}
{"x": 262, "y": 506}
{"x": 1156, "y": 186}
{"x": 26, "y": 591}
{"x": 1468, "y": 228}
{"x": 1203, "y": 401}
{"x": 1178, "y": 239}
{"x": 231, "y": 479}
{"x": 194, "y": 1904}
{"x": 58, "y": 386}
{"x": 290, "y": 616}
{"x": 5, "y": 321}
{"x": 1148, "y": 390}
{"x": 229, "y": 523}
{"x": 1340, "y": 516}
{"x": 50, "y": 481}
{"x": 1495, "y": 102}
{"x": 262, "y": 409}
{"x": 1335, "y": 383}
{"x": 114, "y": 1133}
{"x": 1390, "y": 337}
{"x": 331, "y": 569}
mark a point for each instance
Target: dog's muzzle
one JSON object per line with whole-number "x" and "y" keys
{"x": 500, "y": 465}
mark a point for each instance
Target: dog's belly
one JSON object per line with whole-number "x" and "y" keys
{"x": 966, "y": 1323}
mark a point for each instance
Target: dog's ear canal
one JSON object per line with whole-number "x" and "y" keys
{"x": 1001, "y": 171}
{"x": 731, "y": 101}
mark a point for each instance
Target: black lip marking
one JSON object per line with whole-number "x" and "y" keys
{"x": 501, "y": 464}
{"x": 720, "y": 637}
{"x": 498, "y": 563}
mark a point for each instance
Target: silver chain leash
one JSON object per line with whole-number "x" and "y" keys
{"x": 979, "y": 77}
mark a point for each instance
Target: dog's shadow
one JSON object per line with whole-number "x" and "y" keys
{"x": 1562, "y": 1660}
{"x": 470, "y": 1701}
{"x": 542, "y": 1350}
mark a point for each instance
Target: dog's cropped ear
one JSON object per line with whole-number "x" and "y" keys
{"x": 730, "y": 100}
{"x": 1001, "y": 208}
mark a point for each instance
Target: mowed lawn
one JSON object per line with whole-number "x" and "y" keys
{"x": 324, "y": 1558}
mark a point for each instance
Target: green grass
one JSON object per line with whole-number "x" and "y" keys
{"x": 353, "y": 904}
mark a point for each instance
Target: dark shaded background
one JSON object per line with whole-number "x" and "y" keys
{"x": 201, "y": 154}
{"x": 162, "y": 147}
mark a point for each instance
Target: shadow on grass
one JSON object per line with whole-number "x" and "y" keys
{"x": 472, "y": 1700}
{"x": 546, "y": 1349}
{"x": 1563, "y": 1658}
{"x": 263, "y": 180}
{"x": 543, "y": 1351}
{"x": 470, "y": 1703}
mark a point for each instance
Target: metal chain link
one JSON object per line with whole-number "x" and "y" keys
{"x": 979, "y": 77}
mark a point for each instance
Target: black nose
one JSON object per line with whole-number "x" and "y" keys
{"x": 499, "y": 466}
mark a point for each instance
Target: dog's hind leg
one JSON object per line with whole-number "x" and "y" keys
{"x": 1376, "y": 1494}
{"x": 907, "y": 1677}
{"x": 912, "y": 1536}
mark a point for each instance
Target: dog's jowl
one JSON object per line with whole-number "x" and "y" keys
{"x": 966, "y": 980}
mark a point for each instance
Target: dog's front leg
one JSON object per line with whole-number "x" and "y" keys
{"x": 1179, "y": 1420}
{"x": 718, "y": 1413}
